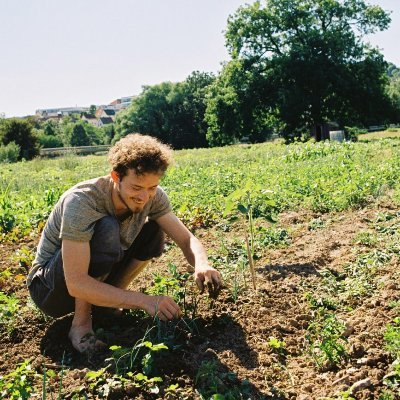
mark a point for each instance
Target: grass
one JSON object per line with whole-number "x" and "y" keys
{"x": 390, "y": 133}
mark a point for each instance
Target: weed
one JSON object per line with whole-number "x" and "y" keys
{"x": 320, "y": 302}
{"x": 18, "y": 384}
{"x": 324, "y": 335}
{"x": 219, "y": 386}
{"x": 316, "y": 223}
{"x": 366, "y": 238}
{"x": 277, "y": 345}
{"x": 9, "y": 308}
{"x": 392, "y": 338}
{"x": 24, "y": 256}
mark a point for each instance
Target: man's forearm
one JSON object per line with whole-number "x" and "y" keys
{"x": 102, "y": 294}
{"x": 195, "y": 253}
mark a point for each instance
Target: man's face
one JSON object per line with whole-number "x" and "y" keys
{"x": 134, "y": 191}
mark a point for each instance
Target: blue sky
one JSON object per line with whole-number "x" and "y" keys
{"x": 64, "y": 53}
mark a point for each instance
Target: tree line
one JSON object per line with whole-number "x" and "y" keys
{"x": 294, "y": 64}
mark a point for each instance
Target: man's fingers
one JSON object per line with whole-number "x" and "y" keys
{"x": 200, "y": 284}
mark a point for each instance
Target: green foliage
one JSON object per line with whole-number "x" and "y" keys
{"x": 324, "y": 335}
{"x": 172, "y": 112}
{"x": 20, "y": 132}
{"x": 300, "y": 63}
{"x": 211, "y": 384}
{"x": 9, "y": 308}
{"x": 392, "y": 338}
{"x": 141, "y": 354}
{"x": 276, "y": 344}
{"x": 10, "y": 153}
{"x": 49, "y": 141}
{"x": 18, "y": 384}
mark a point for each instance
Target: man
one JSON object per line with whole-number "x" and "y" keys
{"x": 103, "y": 232}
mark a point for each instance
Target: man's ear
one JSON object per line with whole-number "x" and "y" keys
{"x": 115, "y": 177}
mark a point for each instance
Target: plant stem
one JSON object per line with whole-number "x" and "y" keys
{"x": 251, "y": 262}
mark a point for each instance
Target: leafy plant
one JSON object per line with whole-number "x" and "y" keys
{"x": 324, "y": 335}
{"x": 18, "y": 384}
{"x": 9, "y": 308}
{"x": 211, "y": 384}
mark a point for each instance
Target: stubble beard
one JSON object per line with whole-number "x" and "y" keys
{"x": 135, "y": 210}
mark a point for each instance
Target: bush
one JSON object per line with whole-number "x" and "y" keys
{"x": 49, "y": 141}
{"x": 352, "y": 132}
{"x": 9, "y": 153}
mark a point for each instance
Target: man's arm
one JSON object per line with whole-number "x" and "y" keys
{"x": 76, "y": 258}
{"x": 193, "y": 251}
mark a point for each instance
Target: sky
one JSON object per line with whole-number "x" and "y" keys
{"x": 59, "y": 53}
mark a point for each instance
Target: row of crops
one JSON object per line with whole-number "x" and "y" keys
{"x": 323, "y": 177}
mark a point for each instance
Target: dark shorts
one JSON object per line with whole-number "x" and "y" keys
{"x": 48, "y": 288}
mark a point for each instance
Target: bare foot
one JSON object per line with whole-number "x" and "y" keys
{"x": 83, "y": 339}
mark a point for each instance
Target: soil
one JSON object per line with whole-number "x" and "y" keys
{"x": 232, "y": 335}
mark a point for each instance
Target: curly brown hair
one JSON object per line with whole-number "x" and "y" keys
{"x": 142, "y": 153}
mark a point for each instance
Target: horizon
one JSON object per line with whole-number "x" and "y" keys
{"x": 95, "y": 52}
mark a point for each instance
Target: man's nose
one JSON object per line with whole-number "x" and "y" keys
{"x": 143, "y": 195}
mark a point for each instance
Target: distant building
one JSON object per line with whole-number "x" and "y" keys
{"x": 60, "y": 112}
{"x": 104, "y": 121}
{"x": 102, "y": 111}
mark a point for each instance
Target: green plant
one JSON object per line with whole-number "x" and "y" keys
{"x": 9, "y": 308}
{"x": 142, "y": 353}
{"x": 10, "y": 153}
{"x": 392, "y": 338}
{"x": 276, "y": 344}
{"x": 324, "y": 335}
{"x": 211, "y": 384}
{"x": 366, "y": 238}
{"x": 24, "y": 256}
{"x": 244, "y": 199}
{"x": 18, "y": 384}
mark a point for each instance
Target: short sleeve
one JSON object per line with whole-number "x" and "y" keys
{"x": 78, "y": 218}
{"x": 160, "y": 205}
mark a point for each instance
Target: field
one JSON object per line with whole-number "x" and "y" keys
{"x": 318, "y": 319}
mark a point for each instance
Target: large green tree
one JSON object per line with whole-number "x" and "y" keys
{"x": 19, "y": 131}
{"x": 172, "y": 112}
{"x": 302, "y": 62}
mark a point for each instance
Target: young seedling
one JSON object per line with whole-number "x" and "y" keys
{"x": 244, "y": 199}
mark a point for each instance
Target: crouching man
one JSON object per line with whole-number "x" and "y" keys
{"x": 103, "y": 232}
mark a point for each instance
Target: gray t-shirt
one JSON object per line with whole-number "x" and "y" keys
{"x": 77, "y": 211}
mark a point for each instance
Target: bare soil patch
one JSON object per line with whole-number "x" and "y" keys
{"x": 233, "y": 336}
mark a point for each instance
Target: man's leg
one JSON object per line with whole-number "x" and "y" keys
{"x": 148, "y": 244}
{"x": 49, "y": 291}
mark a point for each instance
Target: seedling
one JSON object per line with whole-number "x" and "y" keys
{"x": 324, "y": 334}
{"x": 18, "y": 384}
{"x": 244, "y": 198}
{"x": 9, "y": 307}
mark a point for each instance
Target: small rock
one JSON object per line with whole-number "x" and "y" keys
{"x": 357, "y": 350}
{"x": 392, "y": 286}
{"x": 349, "y": 329}
{"x": 308, "y": 388}
{"x": 294, "y": 323}
{"x": 368, "y": 361}
{"x": 376, "y": 302}
{"x": 360, "y": 385}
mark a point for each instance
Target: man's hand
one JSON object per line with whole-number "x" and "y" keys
{"x": 208, "y": 277}
{"x": 163, "y": 306}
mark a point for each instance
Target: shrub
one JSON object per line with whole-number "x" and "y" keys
{"x": 9, "y": 153}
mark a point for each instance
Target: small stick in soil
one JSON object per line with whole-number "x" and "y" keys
{"x": 251, "y": 262}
